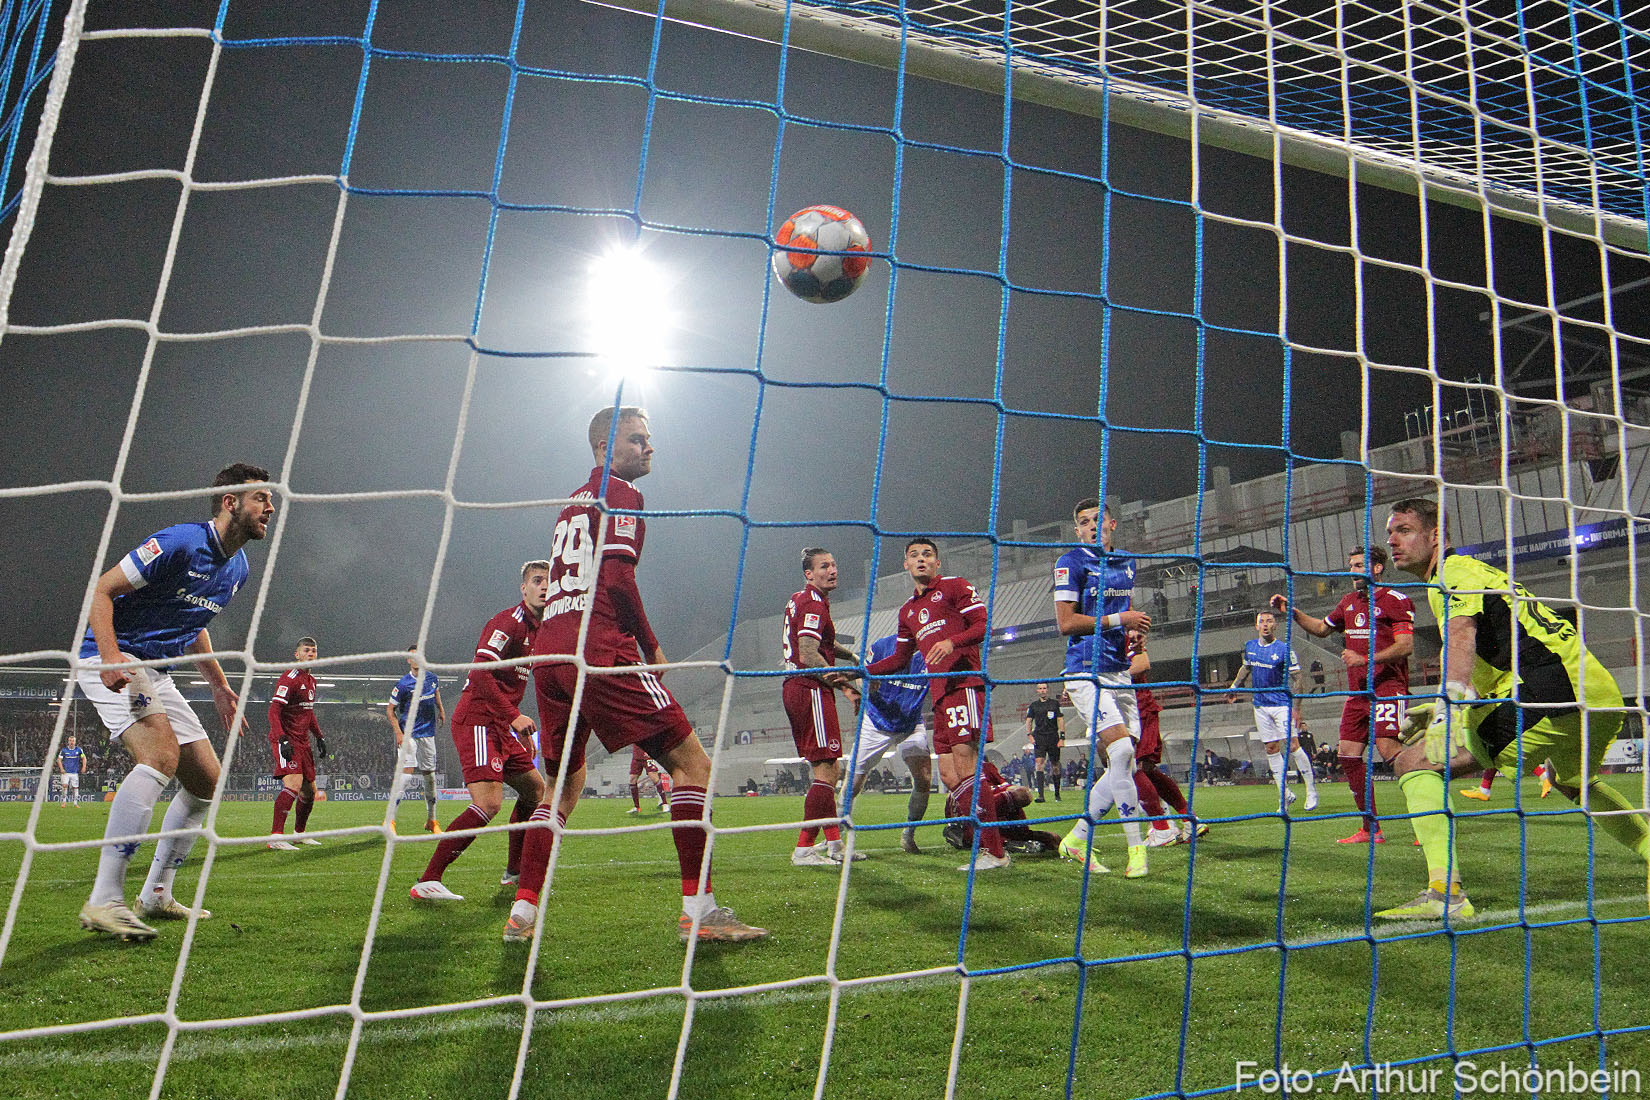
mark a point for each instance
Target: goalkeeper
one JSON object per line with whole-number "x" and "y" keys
{"x": 1553, "y": 702}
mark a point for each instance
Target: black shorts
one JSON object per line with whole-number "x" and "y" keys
{"x": 1047, "y": 750}
{"x": 1542, "y": 684}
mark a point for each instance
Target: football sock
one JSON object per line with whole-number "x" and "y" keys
{"x": 1146, "y": 790}
{"x": 1040, "y": 784}
{"x": 1056, "y": 778}
{"x": 1304, "y": 763}
{"x": 1120, "y": 766}
{"x": 521, "y": 812}
{"x": 1274, "y": 760}
{"x": 688, "y": 804}
{"x": 283, "y": 803}
{"x": 451, "y": 847}
{"x": 306, "y": 803}
{"x": 1427, "y": 797}
{"x": 1100, "y": 804}
{"x": 1488, "y": 781}
{"x": 535, "y": 853}
{"x": 429, "y": 793}
{"x": 1168, "y": 789}
{"x": 130, "y": 812}
{"x": 819, "y": 802}
{"x": 1628, "y": 828}
{"x": 185, "y": 812}
{"x": 1357, "y": 778}
{"x": 636, "y": 794}
{"x": 917, "y": 807}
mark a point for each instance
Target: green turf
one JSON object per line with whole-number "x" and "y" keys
{"x": 289, "y": 929}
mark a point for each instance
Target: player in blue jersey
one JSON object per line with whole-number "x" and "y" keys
{"x": 71, "y": 758}
{"x": 893, "y": 716}
{"x": 1093, "y": 593}
{"x": 153, "y": 605}
{"x": 415, "y": 735}
{"x": 1270, "y": 668}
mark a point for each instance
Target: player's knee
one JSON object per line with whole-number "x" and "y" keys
{"x": 529, "y": 785}
{"x": 488, "y": 800}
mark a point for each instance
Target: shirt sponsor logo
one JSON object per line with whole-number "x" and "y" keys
{"x": 1112, "y": 592}
{"x": 575, "y": 604}
{"x": 497, "y": 639}
{"x": 148, "y": 552}
{"x": 199, "y": 601}
{"x": 810, "y": 622}
{"x": 624, "y": 527}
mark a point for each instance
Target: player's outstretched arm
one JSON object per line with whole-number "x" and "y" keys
{"x": 223, "y": 696}
{"x": 1316, "y": 627}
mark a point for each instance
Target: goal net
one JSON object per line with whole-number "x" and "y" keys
{"x": 1248, "y": 273}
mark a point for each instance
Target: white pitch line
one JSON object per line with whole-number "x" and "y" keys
{"x": 218, "y": 1044}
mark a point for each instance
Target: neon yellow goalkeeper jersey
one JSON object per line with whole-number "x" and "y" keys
{"x": 1508, "y": 618}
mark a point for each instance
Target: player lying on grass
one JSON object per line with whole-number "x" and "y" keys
{"x": 156, "y": 603}
{"x": 1560, "y": 706}
{"x": 623, "y": 708}
{"x": 1009, "y": 804}
{"x": 945, "y": 620}
{"x": 493, "y": 737}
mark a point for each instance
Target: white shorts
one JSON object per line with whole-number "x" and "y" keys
{"x": 120, "y": 709}
{"x": 1116, "y": 706}
{"x": 418, "y": 753}
{"x": 71, "y": 781}
{"x": 873, "y": 743}
{"x": 1272, "y": 724}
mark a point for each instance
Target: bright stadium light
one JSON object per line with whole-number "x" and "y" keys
{"x": 628, "y": 312}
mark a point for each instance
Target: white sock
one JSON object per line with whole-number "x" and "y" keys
{"x": 1120, "y": 758}
{"x": 185, "y": 812}
{"x": 1304, "y": 764}
{"x": 129, "y": 815}
{"x": 1275, "y": 761}
{"x": 1100, "y": 804}
{"x": 429, "y": 791}
{"x": 698, "y": 905}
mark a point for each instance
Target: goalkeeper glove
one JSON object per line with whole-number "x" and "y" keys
{"x": 1447, "y": 732}
{"x": 320, "y": 746}
{"x": 286, "y": 748}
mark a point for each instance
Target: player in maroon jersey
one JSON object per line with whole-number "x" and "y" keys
{"x": 642, "y": 766}
{"x": 1010, "y": 802}
{"x": 292, "y": 726}
{"x": 810, "y": 703}
{"x": 627, "y": 708}
{"x": 1149, "y": 778}
{"x": 1389, "y": 616}
{"x": 493, "y": 737}
{"x": 946, "y": 620}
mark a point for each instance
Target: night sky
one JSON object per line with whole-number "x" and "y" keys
{"x": 747, "y": 359}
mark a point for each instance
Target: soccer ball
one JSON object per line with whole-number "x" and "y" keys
{"x": 819, "y": 278}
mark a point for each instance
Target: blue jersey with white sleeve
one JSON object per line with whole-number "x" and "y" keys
{"x": 1100, "y": 585}
{"x": 183, "y": 579}
{"x": 1270, "y": 664}
{"x": 895, "y": 706}
{"x": 72, "y": 758}
{"x": 424, "y": 685}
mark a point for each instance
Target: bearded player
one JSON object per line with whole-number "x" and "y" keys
{"x": 945, "y": 620}
{"x": 1377, "y": 676}
{"x": 1093, "y": 592}
{"x": 810, "y": 703}
{"x": 623, "y": 708}
{"x": 295, "y": 740}
{"x": 493, "y": 737}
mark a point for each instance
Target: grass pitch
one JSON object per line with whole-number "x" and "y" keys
{"x": 1249, "y": 980}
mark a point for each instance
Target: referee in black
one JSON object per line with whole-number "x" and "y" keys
{"x": 1047, "y": 727}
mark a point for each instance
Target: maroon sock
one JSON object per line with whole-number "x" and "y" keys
{"x": 283, "y": 803}
{"x": 1356, "y": 773}
{"x": 522, "y": 811}
{"x": 305, "y": 804}
{"x": 688, "y": 804}
{"x": 819, "y": 802}
{"x": 1489, "y": 779}
{"x": 1169, "y": 790}
{"x": 635, "y": 794}
{"x": 535, "y": 852}
{"x": 451, "y": 847}
{"x": 1148, "y": 797}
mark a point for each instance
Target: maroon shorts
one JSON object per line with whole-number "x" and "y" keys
{"x": 638, "y": 764}
{"x": 489, "y": 752}
{"x": 1149, "y": 748}
{"x": 1388, "y": 718}
{"x": 960, "y": 718}
{"x": 811, "y": 707}
{"x": 624, "y": 708}
{"x": 301, "y": 762}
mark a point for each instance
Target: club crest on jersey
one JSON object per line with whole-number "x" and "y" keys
{"x": 810, "y": 621}
{"x": 937, "y": 597}
{"x": 498, "y": 765}
{"x": 149, "y": 551}
{"x": 922, "y": 615}
{"x": 624, "y": 527}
